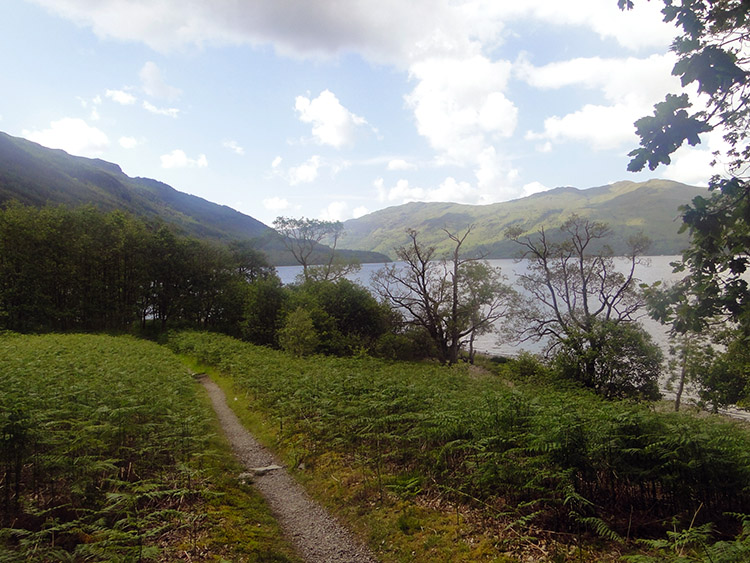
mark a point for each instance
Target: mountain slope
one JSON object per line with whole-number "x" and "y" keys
{"x": 35, "y": 175}
{"x": 628, "y": 207}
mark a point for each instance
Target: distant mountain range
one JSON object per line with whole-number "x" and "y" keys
{"x": 627, "y": 207}
{"x": 35, "y": 175}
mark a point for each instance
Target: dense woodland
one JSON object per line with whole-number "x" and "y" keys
{"x": 82, "y": 269}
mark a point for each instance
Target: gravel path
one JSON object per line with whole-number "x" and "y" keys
{"x": 315, "y": 534}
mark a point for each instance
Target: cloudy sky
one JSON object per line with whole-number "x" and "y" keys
{"x": 337, "y": 108}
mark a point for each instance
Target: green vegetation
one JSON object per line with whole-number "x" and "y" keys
{"x": 627, "y": 207}
{"x": 63, "y": 269}
{"x": 710, "y": 305}
{"x": 451, "y": 300}
{"x": 584, "y": 308}
{"x": 529, "y": 459}
{"x": 108, "y": 453}
{"x": 37, "y": 176}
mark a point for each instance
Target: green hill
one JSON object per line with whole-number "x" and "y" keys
{"x": 628, "y": 207}
{"x": 34, "y": 175}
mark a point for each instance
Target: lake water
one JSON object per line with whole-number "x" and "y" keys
{"x": 654, "y": 269}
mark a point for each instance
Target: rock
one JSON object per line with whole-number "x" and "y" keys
{"x": 260, "y": 471}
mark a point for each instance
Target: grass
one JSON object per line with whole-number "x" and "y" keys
{"x": 109, "y": 452}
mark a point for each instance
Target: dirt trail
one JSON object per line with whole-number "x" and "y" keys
{"x": 315, "y": 534}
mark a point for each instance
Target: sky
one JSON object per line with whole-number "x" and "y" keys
{"x": 333, "y": 109}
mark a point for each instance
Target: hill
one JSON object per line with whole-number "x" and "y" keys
{"x": 34, "y": 175}
{"x": 627, "y": 207}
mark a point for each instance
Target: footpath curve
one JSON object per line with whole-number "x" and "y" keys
{"x": 316, "y": 535}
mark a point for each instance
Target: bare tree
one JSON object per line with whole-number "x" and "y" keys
{"x": 452, "y": 299}
{"x": 579, "y": 300}
{"x": 305, "y": 239}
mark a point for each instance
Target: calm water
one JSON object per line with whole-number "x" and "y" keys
{"x": 656, "y": 269}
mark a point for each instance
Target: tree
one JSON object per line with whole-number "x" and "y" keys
{"x": 264, "y": 303}
{"x": 304, "y": 238}
{"x": 579, "y": 301}
{"x": 617, "y": 360}
{"x": 452, "y": 299}
{"x": 250, "y": 263}
{"x": 713, "y": 58}
{"x": 711, "y": 55}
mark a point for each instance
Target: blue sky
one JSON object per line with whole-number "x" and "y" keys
{"x": 334, "y": 109}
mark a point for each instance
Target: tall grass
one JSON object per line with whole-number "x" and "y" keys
{"x": 562, "y": 459}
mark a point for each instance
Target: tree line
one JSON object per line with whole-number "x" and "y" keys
{"x": 83, "y": 269}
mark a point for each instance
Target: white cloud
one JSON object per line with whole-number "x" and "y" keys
{"x": 178, "y": 159}
{"x": 128, "y": 142}
{"x": 630, "y": 86}
{"x": 452, "y": 190}
{"x": 234, "y": 147}
{"x": 636, "y": 29}
{"x": 121, "y": 97}
{"x": 603, "y": 127}
{"x": 533, "y": 188}
{"x": 72, "y": 135}
{"x": 544, "y": 147}
{"x": 154, "y": 85}
{"x": 275, "y": 203}
{"x": 388, "y": 31}
{"x": 459, "y": 105}
{"x": 336, "y": 211}
{"x": 360, "y": 212}
{"x": 384, "y": 31}
{"x": 460, "y": 96}
{"x": 400, "y": 164}
{"x": 332, "y": 123}
{"x": 692, "y": 165}
{"x": 169, "y": 112}
{"x": 306, "y": 172}
{"x": 276, "y": 162}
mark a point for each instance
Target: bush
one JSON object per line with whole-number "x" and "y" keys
{"x": 298, "y": 335}
{"x": 616, "y": 360}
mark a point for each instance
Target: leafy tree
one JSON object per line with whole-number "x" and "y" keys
{"x": 346, "y": 316}
{"x": 453, "y": 299}
{"x": 711, "y": 55}
{"x": 249, "y": 262}
{"x": 712, "y": 59}
{"x": 304, "y": 238}
{"x": 63, "y": 269}
{"x": 264, "y": 303}
{"x": 617, "y": 360}
{"x": 579, "y": 302}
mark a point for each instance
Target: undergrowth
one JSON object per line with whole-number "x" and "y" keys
{"x": 526, "y": 459}
{"x": 108, "y": 453}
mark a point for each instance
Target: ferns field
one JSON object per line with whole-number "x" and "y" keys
{"x": 107, "y": 453}
{"x": 528, "y": 460}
